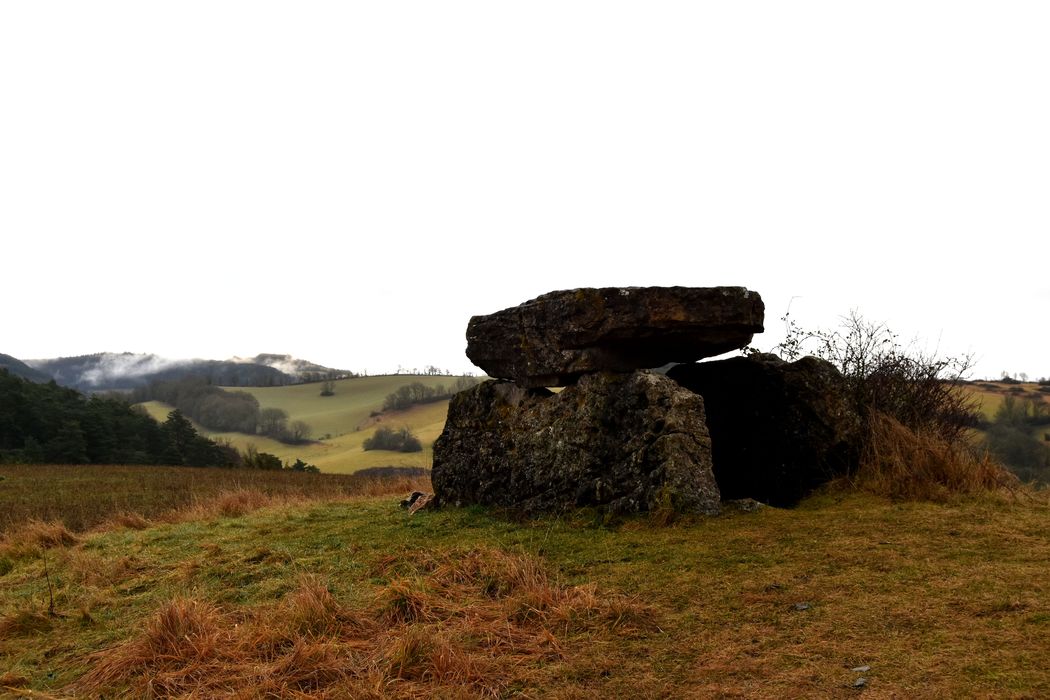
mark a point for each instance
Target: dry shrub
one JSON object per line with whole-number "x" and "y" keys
{"x": 34, "y": 535}
{"x": 901, "y": 463}
{"x": 447, "y": 627}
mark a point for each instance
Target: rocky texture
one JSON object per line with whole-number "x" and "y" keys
{"x": 632, "y": 442}
{"x": 556, "y": 338}
{"x": 778, "y": 429}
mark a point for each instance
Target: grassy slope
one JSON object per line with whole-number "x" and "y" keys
{"x": 940, "y": 601}
{"x": 990, "y": 399}
{"x": 345, "y": 417}
{"x": 340, "y": 414}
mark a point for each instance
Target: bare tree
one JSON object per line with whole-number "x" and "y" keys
{"x": 300, "y": 431}
{"x": 273, "y": 422}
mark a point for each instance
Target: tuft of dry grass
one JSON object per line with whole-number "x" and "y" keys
{"x": 900, "y": 463}
{"x": 181, "y": 642}
{"x": 405, "y": 601}
{"x": 312, "y": 610}
{"x": 450, "y": 628}
{"x": 131, "y": 521}
{"x": 12, "y": 680}
{"x": 234, "y": 504}
{"x": 34, "y": 535}
{"x": 23, "y": 623}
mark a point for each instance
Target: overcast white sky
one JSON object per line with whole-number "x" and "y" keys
{"x": 350, "y": 182}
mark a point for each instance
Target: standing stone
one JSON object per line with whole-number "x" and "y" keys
{"x": 554, "y": 339}
{"x": 778, "y": 429}
{"x": 632, "y": 442}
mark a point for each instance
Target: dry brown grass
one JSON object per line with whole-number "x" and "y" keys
{"x": 461, "y": 623}
{"x": 84, "y": 497}
{"x": 132, "y": 521}
{"x": 361, "y": 600}
{"x": 238, "y": 502}
{"x": 183, "y": 642}
{"x": 12, "y": 680}
{"x": 23, "y": 623}
{"x": 33, "y": 536}
{"x": 900, "y": 463}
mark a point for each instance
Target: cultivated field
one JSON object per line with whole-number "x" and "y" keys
{"x": 846, "y": 594}
{"x": 344, "y": 419}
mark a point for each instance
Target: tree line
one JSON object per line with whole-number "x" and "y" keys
{"x": 1013, "y": 437}
{"x": 52, "y": 424}
{"x": 223, "y": 411}
{"x": 47, "y": 423}
{"x": 397, "y": 440}
{"x": 418, "y": 393}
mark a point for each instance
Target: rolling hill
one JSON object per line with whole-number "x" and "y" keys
{"x": 341, "y": 422}
{"x": 990, "y": 395}
{"x": 107, "y": 371}
{"x": 21, "y": 369}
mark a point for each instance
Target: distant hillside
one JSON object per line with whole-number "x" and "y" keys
{"x": 121, "y": 371}
{"x": 45, "y": 423}
{"x": 21, "y": 369}
{"x": 340, "y": 423}
{"x": 304, "y": 370}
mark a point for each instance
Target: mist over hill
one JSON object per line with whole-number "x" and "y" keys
{"x": 21, "y": 369}
{"x": 108, "y": 371}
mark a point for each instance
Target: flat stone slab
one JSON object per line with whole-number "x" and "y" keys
{"x": 556, "y": 338}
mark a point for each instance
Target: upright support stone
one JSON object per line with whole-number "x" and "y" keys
{"x": 779, "y": 429}
{"x": 632, "y": 442}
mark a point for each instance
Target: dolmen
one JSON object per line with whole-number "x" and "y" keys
{"x": 623, "y": 437}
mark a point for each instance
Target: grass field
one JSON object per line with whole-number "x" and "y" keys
{"x": 346, "y": 411}
{"x": 345, "y": 419}
{"x": 990, "y": 395}
{"x": 360, "y": 599}
{"x": 84, "y": 496}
